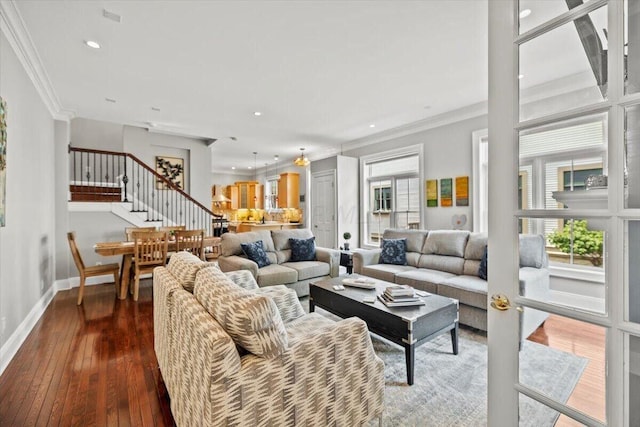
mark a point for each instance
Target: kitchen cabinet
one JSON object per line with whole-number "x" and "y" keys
{"x": 246, "y": 195}
{"x": 289, "y": 190}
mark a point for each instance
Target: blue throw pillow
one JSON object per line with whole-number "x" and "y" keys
{"x": 482, "y": 270}
{"x": 303, "y": 249}
{"x": 394, "y": 251}
{"x": 255, "y": 252}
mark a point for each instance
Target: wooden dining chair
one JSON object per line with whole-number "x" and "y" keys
{"x": 191, "y": 241}
{"x": 149, "y": 251}
{"x": 91, "y": 271}
{"x": 129, "y": 230}
{"x": 173, "y": 228}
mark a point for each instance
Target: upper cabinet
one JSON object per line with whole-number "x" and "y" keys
{"x": 289, "y": 190}
{"x": 248, "y": 195}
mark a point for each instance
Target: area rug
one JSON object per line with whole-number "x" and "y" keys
{"x": 452, "y": 390}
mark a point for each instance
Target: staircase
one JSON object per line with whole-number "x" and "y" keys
{"x": 126, "y": 186}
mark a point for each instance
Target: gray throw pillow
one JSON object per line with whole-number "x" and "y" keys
{"x": 255, "y": 252}
{"x": 394, "y": 251}
{"x": 303, "y": 249}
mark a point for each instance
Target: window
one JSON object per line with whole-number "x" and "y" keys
{"x": 552, "y": 159}
{"x": 392, "y": 194}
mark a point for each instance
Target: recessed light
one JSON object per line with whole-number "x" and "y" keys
{"x": 249, "y": 167}
{"x": 275, "y": 157}
{"x": 155, "y": 109}
{"x": 110, "y": 100}
{"x": 524, "y": 13}
{"x": 257, "y": 113}
{"x": 92, "y": 44}
{"x": 233, "y": 167}
{"x": 372, "y": 125}
{"x": 520, "y": 76}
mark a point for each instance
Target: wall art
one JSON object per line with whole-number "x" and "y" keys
{"x": 172, "y": 168}
{"x": 432, "y": 193}
{"x": 462, "y": 191}
{"x": 3, "y": 161}
{"x": 446, "y": 192}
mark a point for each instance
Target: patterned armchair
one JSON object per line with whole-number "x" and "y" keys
{"x": 235, "y": 355}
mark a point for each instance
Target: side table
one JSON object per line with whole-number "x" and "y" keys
{"x": 346, "y": 260}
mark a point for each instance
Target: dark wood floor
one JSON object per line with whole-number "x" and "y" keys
{"x": 85, "y": 365}
{"x": 95, "y": 365}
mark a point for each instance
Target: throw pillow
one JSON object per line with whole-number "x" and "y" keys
{"x": 482, "y": 270}
{"x": 303, "y": 249}
{"x": 255, "y": 252}
{"x": 394, "y": 251}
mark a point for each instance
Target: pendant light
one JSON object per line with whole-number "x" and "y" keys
{"x": 301, "y": 161}
{"x": 277, "y": 180}
{"x": 255, "y": 164}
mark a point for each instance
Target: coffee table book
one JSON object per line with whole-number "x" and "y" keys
{"x": 406, "y": 302}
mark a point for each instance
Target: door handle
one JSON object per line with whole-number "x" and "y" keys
{"x": 502, "y": 303}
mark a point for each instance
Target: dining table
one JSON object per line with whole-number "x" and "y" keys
{"x": 125, "y": 249}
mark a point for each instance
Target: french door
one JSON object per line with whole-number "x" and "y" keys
{"x": 552, "y": 64}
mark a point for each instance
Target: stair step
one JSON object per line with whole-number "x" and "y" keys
{"x": 96, "y": 189}
{"x": 94, "y": 197}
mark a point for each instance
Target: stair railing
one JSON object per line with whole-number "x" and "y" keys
{"x": 99, "y": 171}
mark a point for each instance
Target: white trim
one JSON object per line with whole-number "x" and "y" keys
{"x": 465, "y": 113}
{"x": 584, "y": 275}
{"x": 476, "y": 138}
{"x": 583, "y": 302}
{"x": 14, "y": 28}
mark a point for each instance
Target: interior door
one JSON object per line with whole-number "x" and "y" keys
{"x": 524, "y": 58}
{"x": 323, "y": 217}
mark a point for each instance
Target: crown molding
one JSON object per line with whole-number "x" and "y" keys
{"x": 464, "y": 113}
{"x": 16, "y": 32}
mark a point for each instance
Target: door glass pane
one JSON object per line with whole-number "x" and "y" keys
{"x": 632, "y": 46}
{"x": 564, "y": 68}
{"x": 632, "y": 157}
{"x": 632, "y": 249}
{"x": 407, "y": 211}
{"x": 379, "y": 212}
{"x": 565, "y": 360}
{"x": 536, "y": 12}
{"x": 634, "y": 381}
{"x": 568, "y": 160}
{"x": 562, "y": 261}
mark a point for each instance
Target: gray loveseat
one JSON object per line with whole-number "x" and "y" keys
{"x": 281, "y": 271}
{"x": 446, "y": 262}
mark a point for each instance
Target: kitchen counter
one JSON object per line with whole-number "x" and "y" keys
{"x": 241, "y": 227}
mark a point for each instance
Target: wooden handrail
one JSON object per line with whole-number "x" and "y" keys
{"x": 145, "y": 166}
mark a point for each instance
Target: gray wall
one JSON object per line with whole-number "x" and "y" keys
{"x": 97, "y": 135}
{"x": 447, "y": 154}
{"x": 27, "y": 240}
{"x": 62, "y": 136}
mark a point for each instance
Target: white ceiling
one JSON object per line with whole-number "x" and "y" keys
{"x": 321, "y": 72}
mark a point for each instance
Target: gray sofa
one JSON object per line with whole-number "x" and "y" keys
{"x": 281, "y": 271}
{"x": 446, "y": 262}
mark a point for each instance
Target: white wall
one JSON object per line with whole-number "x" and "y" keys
{"x": 447, "y": 154}
{"x": 27, "y": 242}
{"x": 97, "y": 135}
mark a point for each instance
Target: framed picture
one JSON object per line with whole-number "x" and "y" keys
{"x": 172, "y": 168}
{"x": 3, "y": 161}
{"x": 446, "y": 192}
{"x": 462, "y": 191}
{"x": 432, "y": 193}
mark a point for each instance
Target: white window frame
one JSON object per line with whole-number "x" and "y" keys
{"x": 412, "y": 150}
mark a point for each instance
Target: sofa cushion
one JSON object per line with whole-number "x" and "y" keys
{"x": 471, "y": 267}
{"x": 309, "y": 269}
{"x": 255, "y": 252}
{"x": 184, "y": 266}
{"x": 475, "y": 246}
{"x": 532, "y": 251}
{"x": 231, "y": 241}
{"x": 394, "y": 251}
{"x": 446, "y": 242}
{"x": 415, "y": 238}
{"x": 423, "y": 279}
{"x": 385, "y": 272}
{"x": 482, "y": 268}
{"x": 469, "y": 290}
{"x": 276, "y": 274}
{"x": 303, "y": 249}
{"x": 450, "y": 264}
{"x": 281, "y": 237}
{"x": 253, "y": 321}
{"x": 286, "y": 300}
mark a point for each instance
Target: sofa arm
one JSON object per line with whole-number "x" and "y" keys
{"x": 235, "y": 262}
{"x": 286, "y": 300}
{"x": 243, "y": 278}
{"x": 331, "y": 257}
{"x": 331, "y": 376}
{"x": 534, "y": 284}
{"x": 362, "y": 258}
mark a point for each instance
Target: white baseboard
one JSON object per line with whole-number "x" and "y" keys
{"x": 580, "y": 301}
{"x": 11, "y": 347}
